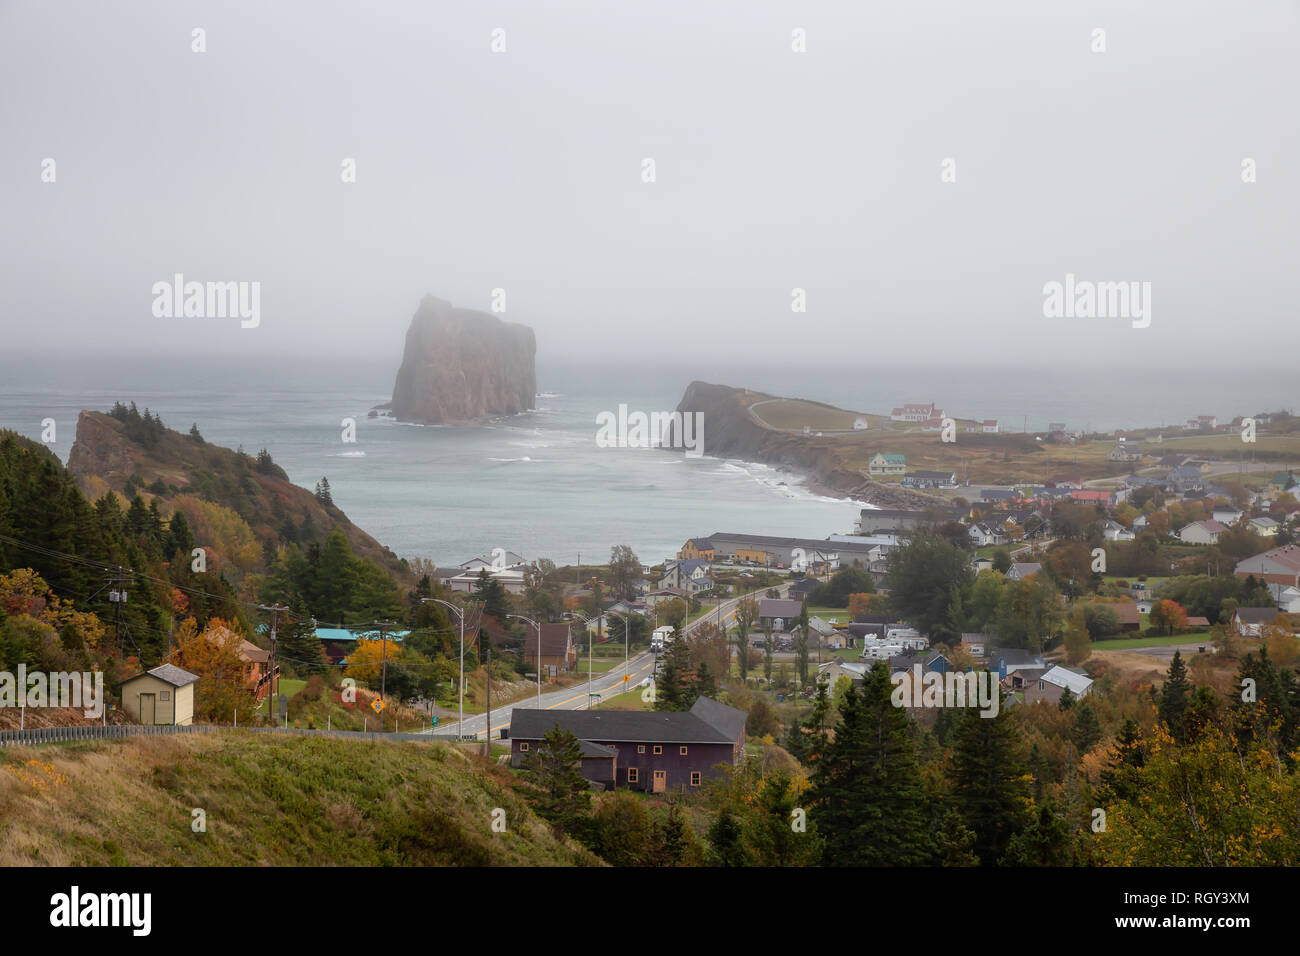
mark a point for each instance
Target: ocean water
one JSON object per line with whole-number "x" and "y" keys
{"x": 537, "y": 483}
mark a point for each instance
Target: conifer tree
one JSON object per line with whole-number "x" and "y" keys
{"x": 866, "y": 792}
{"x": 990, "y": 789}
{"x": 1173, "y": 698}
{"x": 1087, "y": 728}
{"x": 726, "y": 840}
{"x": 801, "y": 647}
{"x": 556, "y": 767}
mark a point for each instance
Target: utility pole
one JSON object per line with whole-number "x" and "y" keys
{"x": 117, "y": 597}
{"x": 487, "y": 649}
{"x": 383, "y": 663}
{"x": 275, "y": 611}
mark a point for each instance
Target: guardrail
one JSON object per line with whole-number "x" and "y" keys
{"x": 49, "y": 735}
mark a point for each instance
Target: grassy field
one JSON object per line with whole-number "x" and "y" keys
{"x": 268, "y": 801}
{"x": 599, "y": 665}
{"x": 629, "y": 701}
{"x": 790, "y": 414}
{"x": 1008, "y": 457}
{"x": 832, "y": 615}
{"x": 1125, "y": 644}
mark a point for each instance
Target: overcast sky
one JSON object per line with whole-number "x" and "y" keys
{"x": 522, "y": 170}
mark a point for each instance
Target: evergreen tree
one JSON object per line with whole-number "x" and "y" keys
{"x": 556, "y": 767}
{"x": 1086, "y": 732}
{"x": 801, "y": 647}
{"x": 1120, "y": 776}
{"x": 1046, "y": 841}
{"x": 955, "y": 843}
{"x": 705, "y": 685}
{"x": 496, "y": 602}
{"x": 1272, "y": 714}
{"x": 990, "y": 789}
{"x": 1173, "y": 698}
{"x": 675, "y": 680}
{"x": 726, "y": 840}
{"x": 194, "y": 434}
{"x": 773, "y": 837}
{"x": 742, "y": 650}
{"x": 866, "y": 795}
{"x": 769, "y": 650}
{"x": 297, "y": 642}
{"x": 323, "y": 493}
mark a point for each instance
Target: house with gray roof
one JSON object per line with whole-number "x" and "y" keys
{"x": 652, "y": 751}
{"x": 1052, "y": 683}
{"x": 162, "y": 696}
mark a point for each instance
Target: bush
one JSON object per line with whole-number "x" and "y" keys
{"x": 315, "y": 688}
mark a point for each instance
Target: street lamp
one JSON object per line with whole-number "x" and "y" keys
{"x": 538, "y": 628}
{"x": 460, "y": 684}
{"x": 591, "y": 646}
{"x": 627, "y": 627}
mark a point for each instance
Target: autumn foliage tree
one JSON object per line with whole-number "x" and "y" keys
{"x": 366, "y": 662}
{"x": 1168, "y": 617}
{"x": 212, "y": 654}
{"x": 23, "y": 591}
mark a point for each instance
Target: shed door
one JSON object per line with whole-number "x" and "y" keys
{"x": 147, "y": 708}
{"x": 661, "y": 781}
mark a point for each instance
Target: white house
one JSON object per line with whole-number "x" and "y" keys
{"x": 1114, "y": 531}
{"x": 1201, "y": 532}
{"x": 1288, "y": 598}
{"x": 886, "y": 464}
{"x": 983, "y": 535}
{"x": 680, "y": 574}
{"x": 1265, "y": 526}
{"x": 1226, "y": 514}
{"x": 989, "y": 426}
{"x": 514, "y": 580}
{"x": 1020, "y": 571}
{"x": 498, "y": 560}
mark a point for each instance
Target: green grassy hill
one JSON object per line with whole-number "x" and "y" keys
{"x": 279, "y": 801}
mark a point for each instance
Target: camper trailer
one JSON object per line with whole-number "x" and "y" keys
{"x": 660, "y": 638}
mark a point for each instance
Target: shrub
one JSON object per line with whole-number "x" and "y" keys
{"x": 315, "y": 688}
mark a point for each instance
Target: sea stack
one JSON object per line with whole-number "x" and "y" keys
{"x": 461, "y": 365}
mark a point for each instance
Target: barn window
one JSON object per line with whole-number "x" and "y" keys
{"x": 695, "y": 778}
{"x": 631, "y": 775}
{"x": 658, "y": 749}
{"x": 640, "y": 748}
{"x": 523, "y": 745}
{"x": 683, "y": 751}
{"x": 165, "y": 695}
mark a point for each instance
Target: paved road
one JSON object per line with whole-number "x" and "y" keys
{"x": 569, "y": 698}
{"x": 575, "y": 697}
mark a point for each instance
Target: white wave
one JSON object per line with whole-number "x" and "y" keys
{"x": 350, "y": 454}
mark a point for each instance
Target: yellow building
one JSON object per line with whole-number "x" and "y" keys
{"x": 697, "y": 549}
{"x": 754, "y": 556}
{"x": 164, "y": 695}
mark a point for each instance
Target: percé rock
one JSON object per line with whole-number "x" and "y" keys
{"x": 460, "y": 365}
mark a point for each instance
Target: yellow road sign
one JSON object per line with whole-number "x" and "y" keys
{"x": 377, "y": 705}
